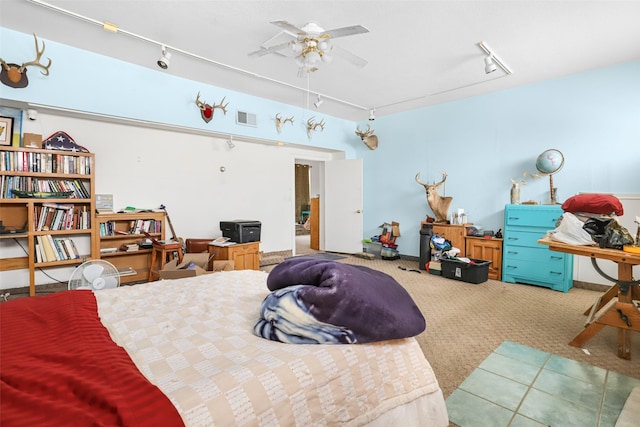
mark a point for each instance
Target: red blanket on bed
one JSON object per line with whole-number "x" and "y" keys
{"x": 59, "y": 366}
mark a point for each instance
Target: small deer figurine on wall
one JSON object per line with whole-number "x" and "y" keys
{"x": 369, "y": 139}
{"x": 206, "y": 110}
{"x": 280, "y": 121}
{"x": 312, "y": 125}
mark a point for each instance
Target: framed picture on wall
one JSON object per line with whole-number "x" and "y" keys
{"x": 6, "y": 130}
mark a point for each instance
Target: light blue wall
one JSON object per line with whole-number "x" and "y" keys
{"x": 481, "y": 142}
{"x": 81, "y": 80}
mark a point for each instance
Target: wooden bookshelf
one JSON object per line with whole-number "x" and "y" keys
{"x": 118, "y": 229}
{"x": 70, "y": 178}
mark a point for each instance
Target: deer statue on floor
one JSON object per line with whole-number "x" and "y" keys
{"x": 438, "y": 204}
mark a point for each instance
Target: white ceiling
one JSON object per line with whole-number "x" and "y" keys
{"x": 419, "y": 53}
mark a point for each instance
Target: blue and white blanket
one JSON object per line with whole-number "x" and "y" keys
{"x": 321, "y": 301}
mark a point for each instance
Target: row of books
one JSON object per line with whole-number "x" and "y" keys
{"x": 50, "y": 249}
{"x": 26, "y": 161}
{"x": 27, "y": 183}
{"x": 140, "y": 226}
{"x": 53, "y": 216}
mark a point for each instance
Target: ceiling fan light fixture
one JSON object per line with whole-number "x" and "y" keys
{"x": 312, "y": 58}
{"x": 164, "y": 60}
{"x": 372, "y": 114}
{"x": 489, "y": 65}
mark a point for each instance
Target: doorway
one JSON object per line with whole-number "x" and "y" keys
{"x": 307, "y": 187}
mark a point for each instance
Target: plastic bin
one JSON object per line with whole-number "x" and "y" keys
{"x": 374, "y": 248}
{"x": 467, "y": 272}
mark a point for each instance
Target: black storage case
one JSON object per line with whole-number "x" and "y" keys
{"x": 241, "y": 231}
{"x": 425, "y": 249}
{"x": 467, "y": 272}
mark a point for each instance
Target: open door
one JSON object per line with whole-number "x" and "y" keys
{"x": 342, "y": 222}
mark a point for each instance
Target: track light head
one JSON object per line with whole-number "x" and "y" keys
{"x": 372, "y": 114}
{"x": 489, "y": 65}
{"x": 318, "y": 102}
{"x": 164, "y": 60}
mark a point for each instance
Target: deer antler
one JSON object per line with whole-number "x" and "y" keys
{"x": 434, "y": 185}
{"x": 221, "y": 106}
{"x": 312, "y": 125}
{"x": 201, "y": 105}
{"x": 280, "y": 121}
{"x": 36, "y": 61}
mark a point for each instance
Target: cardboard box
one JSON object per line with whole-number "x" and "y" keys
{"x": 193, "y": 265}
{"x": 31, "y": 140}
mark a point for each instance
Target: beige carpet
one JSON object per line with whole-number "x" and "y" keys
{"x": 466, "y": 322}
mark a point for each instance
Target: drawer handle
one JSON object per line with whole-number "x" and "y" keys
{"x": 512, "y": 252}
{"x": 555, "y": 272}
{"x": 513, "y": 238}
{"x": 556, "y": 257}
{"x": 514, "y": 217}
{"x": 512, "y": 266}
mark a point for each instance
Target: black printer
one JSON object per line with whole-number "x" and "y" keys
{"x": 241, "y": 230}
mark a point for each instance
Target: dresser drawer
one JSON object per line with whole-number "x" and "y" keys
{"x": 550, "y": 275}
{"x": 544, "y": 217}
{"x": 541, "y": 255}
{"x": 524, "y": 238}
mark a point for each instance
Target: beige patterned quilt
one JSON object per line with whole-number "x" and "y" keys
{"x": 193, "y": 339}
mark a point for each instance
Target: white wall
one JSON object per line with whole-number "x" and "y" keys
{"x": 144, "y": 168}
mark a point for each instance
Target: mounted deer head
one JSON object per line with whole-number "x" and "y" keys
{"x": 14, "y": 75}
{"x": 280, "y": 121}
{"x": 206, "y": 110}
{"x": 438, "y": 204}
{"x": 369, "y": 139}
{"x": 312, "y": 125}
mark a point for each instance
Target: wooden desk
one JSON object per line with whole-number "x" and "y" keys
{"x": 622, "y": 314}
{"x": 245, "y": 256}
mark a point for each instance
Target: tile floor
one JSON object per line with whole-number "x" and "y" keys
{"x": 520, "y": 386}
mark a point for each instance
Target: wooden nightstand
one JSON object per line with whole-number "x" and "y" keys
{"x": 245, "y": 256}
{"x": 488, "y": 250}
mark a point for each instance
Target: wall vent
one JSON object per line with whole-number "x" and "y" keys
{"x": 244, "y": 118}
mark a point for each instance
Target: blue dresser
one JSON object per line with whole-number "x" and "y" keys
{"x": 526, "y": 261}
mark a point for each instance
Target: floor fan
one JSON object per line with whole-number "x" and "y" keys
{"x": 94, "y": 275}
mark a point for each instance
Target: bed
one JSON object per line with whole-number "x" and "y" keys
{"x": 186, "y": 354}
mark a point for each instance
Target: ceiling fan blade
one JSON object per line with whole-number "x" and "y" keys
{"x": 290, "y": 28}
{"x": 348, "y": 56}
{"x": 346, "y": 31}
{"x": 271, "y": 49}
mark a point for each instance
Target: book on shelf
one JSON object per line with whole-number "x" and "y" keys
{"x": 48, "y": 249}
{"x": 108, "y": 250}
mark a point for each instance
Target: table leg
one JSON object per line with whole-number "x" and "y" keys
{"x": 623, "y": 315}
{"x": 606, "y": 297}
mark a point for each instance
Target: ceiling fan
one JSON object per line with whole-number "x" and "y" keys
{"x": 311, "y": 45}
